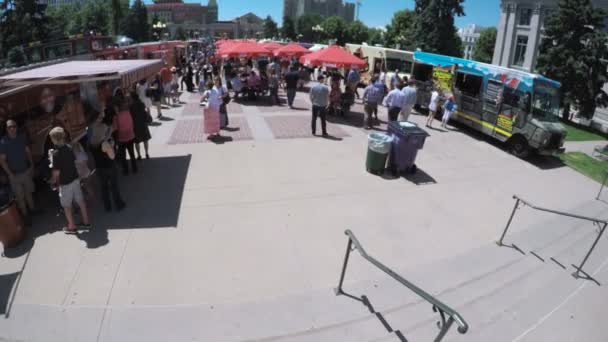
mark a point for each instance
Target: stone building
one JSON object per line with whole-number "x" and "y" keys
{"x": 520, "y": 31}
{"x": 326, "y": 8}
{"x": 194, "y": 18}
{"x": 469, "y": 35}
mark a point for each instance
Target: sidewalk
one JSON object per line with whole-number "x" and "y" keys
{"x": 250, "y": 225}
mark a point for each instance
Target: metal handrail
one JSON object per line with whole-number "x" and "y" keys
{"x": 438, "y": 306}
{"x": 596, "y": 221}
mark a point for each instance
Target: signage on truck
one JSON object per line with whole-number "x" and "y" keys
{"x": 505, "y": 123}
{"x": 443, "y": 79}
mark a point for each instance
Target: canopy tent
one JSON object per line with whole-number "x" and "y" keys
{"x": 291, "y": 50}
{"x": 333, "y": 57}
{"x": 243, "y": 49}
{"x": 128, "y": 71}
{"x": 271, "y": 46}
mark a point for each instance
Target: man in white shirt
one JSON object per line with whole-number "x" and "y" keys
{"x": 410, "y": 99}
{"x": 394, "y": 102}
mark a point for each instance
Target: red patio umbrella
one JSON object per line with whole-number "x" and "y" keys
{"x": 291, "y": 50}
{"x": 332, "y": 57}
{"x": 271, "y": 46}
{"x": 243, "y": 49}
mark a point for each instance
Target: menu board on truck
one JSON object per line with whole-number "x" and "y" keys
{"x": 38, "y": 109}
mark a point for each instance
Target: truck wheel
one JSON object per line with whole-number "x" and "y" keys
{"x": 519, "y": 147}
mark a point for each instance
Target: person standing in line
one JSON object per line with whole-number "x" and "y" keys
{"x": 17, "y": 163}
{"x": 273, "y": 85}
{"x": 65, "y": 176}
{"x": 141, "y": 119}
{"x": 142, "y": 91}
{"x": 372, "y": 97}
{"x": 225, "y": 99}
{"x": 395, "y": 79}
{"x": 166, "y": 77}
{"x": 353, "y": 79}
{"x": 433, "y": 107}
{"x": 211, "y": 113}
{"x": 291, "y": 85}
{"x": 410, "y": 99}
{"x": 448, "y": 110}
{"x": 319, "y": 96}
{"x": 394, "y": 102}
{"x": 125, "y": 135}
{"x": 102, "y": 150}
{"x": 156, "y": 90}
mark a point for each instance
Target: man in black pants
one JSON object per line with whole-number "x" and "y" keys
{"x": 319, "y": 96}
{"x": 394, "y": 101}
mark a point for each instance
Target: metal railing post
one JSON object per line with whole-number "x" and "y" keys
{"x": 444, "y": 329}
{"x": 579, "y": 268}
{"x": 499, "y": 242}
{"x": 603, "y": 184}
{"x": 348, "y": 249}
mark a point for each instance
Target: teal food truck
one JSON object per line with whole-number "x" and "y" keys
{"x": 513, "y": 106}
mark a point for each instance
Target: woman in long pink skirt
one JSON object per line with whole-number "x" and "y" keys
{"x": 211, "y": 113}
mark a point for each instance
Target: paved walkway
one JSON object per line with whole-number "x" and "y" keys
{"x": 244, "y": 240}
{"x": 583, "y": 146}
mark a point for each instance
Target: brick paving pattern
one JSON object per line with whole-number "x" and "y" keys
{"x": 290, "y": 127}
{"x": 192, "y": 109}
{"x": 243, "y": 132}
{"x": 188, "y": 132}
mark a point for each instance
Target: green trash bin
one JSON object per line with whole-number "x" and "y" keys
{"x": 378, "y": 147}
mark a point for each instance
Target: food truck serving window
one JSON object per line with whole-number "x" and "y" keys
{"x": 393, "y": 64}
{"x": 422, "y": 72}
{"x": 468, "y": 84}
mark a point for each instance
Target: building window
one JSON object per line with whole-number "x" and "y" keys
{"x": 520, "y": 50}
{"x": 525, "y": 15}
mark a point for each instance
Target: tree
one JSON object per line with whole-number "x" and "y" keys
{"x": 574, "y": 52}
{"x": 401, "y": 30}
{"x": 21, "y": 22}
{"x": 64, "y": 20}
{"x": 135, "y": 25}
{"x": 335, "y": 28}
{"x": 484, "y": 48}
{"x": 306, "y": 26}
{"x": 357, "y": 32}
{"x": 95, "y": 17}
{"x": 117, "y": 9}
{"x": 271, "y": 30}
{"x": 288, "y": 30}
{"x": 16, "y": 56}
{"x": 434, "y": 26}
{"x": 376, "y": 36}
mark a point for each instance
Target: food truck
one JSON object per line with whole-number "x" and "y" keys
{"x": 513, "y": 106}
{"x": 379, "y": 58}
{"x": 64, "y": 94}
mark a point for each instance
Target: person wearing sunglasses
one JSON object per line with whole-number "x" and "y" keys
{"x": 16, "y": 161}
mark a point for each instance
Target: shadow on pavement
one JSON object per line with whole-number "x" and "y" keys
{"x": 546, "y": 162}
{"x": 153, "y": 197}
{"x": 7, "y": 282}
{"x": 353, "y": 119}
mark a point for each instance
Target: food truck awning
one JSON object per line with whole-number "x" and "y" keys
{"x": 128, "y": 71}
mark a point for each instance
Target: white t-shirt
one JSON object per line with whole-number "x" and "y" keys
{"x": 434, "y": 101}
{"x": 214, "y": 97}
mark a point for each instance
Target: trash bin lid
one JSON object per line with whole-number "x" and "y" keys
{"x": 406, "y": 128}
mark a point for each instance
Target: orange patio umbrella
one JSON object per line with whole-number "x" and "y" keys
{"x": 291, "y": 50}
{"x": 333, "y": 57}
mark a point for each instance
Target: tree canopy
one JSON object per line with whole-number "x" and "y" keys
{"x": 484, "y": 48}
{"x": 21, "y": 22}
{"x": 305, "y": 26}
{"x": 434, "y": 26}
{"x": 288, "y": 30}
{"x": 401, "y": 30}
{"x": 335, "y": 28}
{"x": 574, "y": 52}
{"x": 271, "y": 30}
{"x": 135, "y": 25}
{"x": 357, "y": 32}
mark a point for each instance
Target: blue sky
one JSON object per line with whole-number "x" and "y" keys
{"x": 373, "y": 12}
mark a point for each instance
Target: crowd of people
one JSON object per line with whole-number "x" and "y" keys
{"x": 119, "y": 127}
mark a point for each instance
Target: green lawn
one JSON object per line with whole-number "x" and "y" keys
{"x": 577, "y": 134}
{"x": 585, "y": 164}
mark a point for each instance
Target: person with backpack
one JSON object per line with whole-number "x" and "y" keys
{"x": 65, "y": 178}
{"x": 448, "y": 109}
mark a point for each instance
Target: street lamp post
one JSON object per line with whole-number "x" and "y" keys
{"x": 318, "y": 30}
{"x": 158, "y": 29}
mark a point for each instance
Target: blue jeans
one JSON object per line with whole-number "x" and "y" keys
{"x": 291, "y": 95}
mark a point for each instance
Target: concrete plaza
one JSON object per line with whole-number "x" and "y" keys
{"x": 244, "y": 241}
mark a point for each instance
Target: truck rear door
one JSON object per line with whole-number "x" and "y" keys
{"x": 492, "y": 99}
